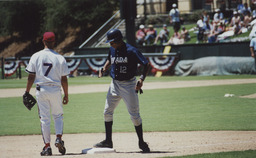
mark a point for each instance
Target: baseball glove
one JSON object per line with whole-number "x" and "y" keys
{"x": 28, "y": 100}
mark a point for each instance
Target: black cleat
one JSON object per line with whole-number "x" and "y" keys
{"x": 46, "y": 151}
{"x": 144, "y": 147}
{"x": 104, "y": 144}
{"x": 60, "y": 145}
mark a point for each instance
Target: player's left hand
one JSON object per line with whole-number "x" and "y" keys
{"x": 139, "y": 84}
{"x": 28, "y": 100}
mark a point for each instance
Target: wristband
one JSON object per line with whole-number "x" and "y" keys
{"x": 142, "y": 77}
{"x": 102, "y": 71}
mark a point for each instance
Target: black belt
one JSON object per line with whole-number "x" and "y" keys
{"x": 123, "y": 79}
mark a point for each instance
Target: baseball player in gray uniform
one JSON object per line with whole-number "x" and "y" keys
{"x": 49, "y": 70}
{"x": 123, "y": 59}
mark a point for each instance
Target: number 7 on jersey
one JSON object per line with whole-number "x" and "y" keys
{"x": 48, "y": 69}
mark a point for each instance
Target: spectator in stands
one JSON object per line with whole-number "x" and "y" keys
{"x": 235, "y": 19}
{"x": 174, "y": 15}
{"x": 218, "y": 29}
{"x": 247, "y": 19}
{"x": 206, "y": 16}
{"x": 213, "y": 35}
{"x": 176, "y": 39}
{"x": 236, "y": 28}
{"x": 218, "y": 16}
{"x": 207, "y": 30}
{"x": 246, "y": 9}
{"x": 200, "y": 26}
{"x": 150, "y": 35}
{"x": 140, "y": 35}
{"x": 240, "y": 5}
{"x": 163, "y": 35}
{"x": 185, "y": 34}
{"x": 243, "y": 28}
{"x": 207, "y": 26}
{"x": 221, "y": 28}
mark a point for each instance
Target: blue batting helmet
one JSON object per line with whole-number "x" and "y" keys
{"x": 114, "y": 35}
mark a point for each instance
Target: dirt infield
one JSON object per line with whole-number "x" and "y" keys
{"x": 125, "y": 144}
{"x": 147, "y": 85}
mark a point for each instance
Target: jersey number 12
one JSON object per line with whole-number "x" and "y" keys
{"x": 123, "y": 69}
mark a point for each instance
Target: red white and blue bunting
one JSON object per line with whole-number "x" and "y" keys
{"x": 161, "y": 63}
{"x": 10, "y": 67}
{"x": 73, "y": 65}
{"x": 96, "y": 64}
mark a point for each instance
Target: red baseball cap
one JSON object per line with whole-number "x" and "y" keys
{"x": 49, "y": 37}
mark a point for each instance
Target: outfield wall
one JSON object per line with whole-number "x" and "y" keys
{"x": 188, "y": 51}
{"x": 200, "y": 59}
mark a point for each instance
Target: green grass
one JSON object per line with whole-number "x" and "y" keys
{"x": 82, "y": 80}
{"x": 180, "y": 109}
{"x": 235, "y": 154}
{"x": 200, "y": 108}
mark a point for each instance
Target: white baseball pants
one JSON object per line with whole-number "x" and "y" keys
{"x": 49, "y": 100}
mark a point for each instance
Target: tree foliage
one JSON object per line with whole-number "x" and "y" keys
{"x": 20, "y": 16}
{"x": 31, "y": 18}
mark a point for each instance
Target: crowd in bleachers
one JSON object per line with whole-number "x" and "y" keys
{"x": 219, "y": 28}
{"x": 209, "y": 29}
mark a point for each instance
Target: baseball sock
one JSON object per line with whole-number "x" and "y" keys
{"x": 108, "y": 128}
{"x": 47, "y": 145}
{"x": 139, "y": 132}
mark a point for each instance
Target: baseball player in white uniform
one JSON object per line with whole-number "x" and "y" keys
{"x": 49, "y": 70}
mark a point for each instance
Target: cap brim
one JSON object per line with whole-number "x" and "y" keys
{"x": 110, "y": 40}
